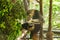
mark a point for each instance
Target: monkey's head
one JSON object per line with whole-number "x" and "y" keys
{"x": 34, "y": 14}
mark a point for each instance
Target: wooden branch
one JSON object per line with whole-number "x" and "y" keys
{"x": 41, "y": 27}
{"x": 44, "y": 37}
{"x": 50, "y": 16}
{"x": 26, "y": 4}
{"x": 38, "y": 1}
{"x": 54, "y": 31}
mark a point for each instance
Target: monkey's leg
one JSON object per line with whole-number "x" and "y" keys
{"x": 34, "y": 33}
{"x": 35, "y": 37}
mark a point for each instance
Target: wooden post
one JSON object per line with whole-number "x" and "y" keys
{"x": 50, "y": 33}
{"x": 41, "y": 28}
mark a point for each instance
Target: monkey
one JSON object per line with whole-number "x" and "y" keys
{"x": 34, "y": 15}
{"x": 33, "y": 23}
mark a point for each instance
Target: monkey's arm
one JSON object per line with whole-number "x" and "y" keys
{"x": 41, "y": 19}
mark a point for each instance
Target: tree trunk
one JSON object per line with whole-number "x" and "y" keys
{"x": 50, "y": 33}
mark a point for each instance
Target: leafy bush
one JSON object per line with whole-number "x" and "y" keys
{"x": 9, "y": 13}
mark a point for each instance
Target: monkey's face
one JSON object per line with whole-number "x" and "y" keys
{"x": 28, "y": 26}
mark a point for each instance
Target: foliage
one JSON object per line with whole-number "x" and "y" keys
{"x": 9, "y": 13}
{"x": 55, "y": 13}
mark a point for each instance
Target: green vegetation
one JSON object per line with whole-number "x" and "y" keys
{"x": 9, "y": 13}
